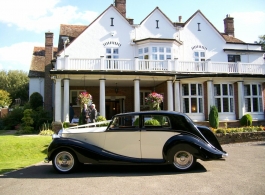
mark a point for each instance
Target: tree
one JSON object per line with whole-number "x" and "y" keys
{"x": 262, "y": 41}
{"x": 5, "y": 99}
{"x": 16, "y": 83}
{"x": 36, "y": 100}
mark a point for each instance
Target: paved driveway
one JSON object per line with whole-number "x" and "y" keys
{"x": 242, "y": 173}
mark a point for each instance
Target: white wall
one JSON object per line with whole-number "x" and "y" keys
{"x": 36, "y": 85}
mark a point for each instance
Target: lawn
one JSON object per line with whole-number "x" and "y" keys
{"x": 21, "y": 151}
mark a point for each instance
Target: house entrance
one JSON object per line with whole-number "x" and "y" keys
{"x": 114, "y": 105}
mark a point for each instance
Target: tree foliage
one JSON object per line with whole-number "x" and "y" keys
{"x": 16, "y": 83}
{"x": 5, "y": 99}
{"x": 262, "y": 41}
{"x": 36, "y": 100}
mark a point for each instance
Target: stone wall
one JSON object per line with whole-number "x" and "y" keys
{"x": 240, "y": 137}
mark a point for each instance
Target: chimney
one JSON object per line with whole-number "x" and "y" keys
{"x": 130, "y": 20}
{"x": 180, "y": 18}
{"x": 48, "y": 66}
{"x": 229, "y": 25}
{"x": 121, "y": 6}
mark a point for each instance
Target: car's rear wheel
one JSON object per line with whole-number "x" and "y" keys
{"x": 64, "y": 161}
{"x": 183, "y": 160}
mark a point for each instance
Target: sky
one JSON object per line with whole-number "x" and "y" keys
{"x": 23, "y": 23}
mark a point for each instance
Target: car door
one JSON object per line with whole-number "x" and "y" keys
{"x": 123, "y": 137}
{"x": 155, "y": 131}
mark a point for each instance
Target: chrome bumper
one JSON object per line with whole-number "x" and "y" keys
{"x": 225, "y": 155}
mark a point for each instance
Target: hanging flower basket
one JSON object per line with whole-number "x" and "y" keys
{"x": 84, "y": 98}
{"x": 153, "y": 100}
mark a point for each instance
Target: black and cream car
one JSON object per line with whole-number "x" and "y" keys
{"x": 149, "y": 137}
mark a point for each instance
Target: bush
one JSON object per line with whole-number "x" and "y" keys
{"x": 246, "y": 120}
{"x": 36, "y": 100}
{"x": 40, "y": 116}
{"x": 102, "y": 118}
{"x": 12, "y": 119}
{"x": 213, "y": 117}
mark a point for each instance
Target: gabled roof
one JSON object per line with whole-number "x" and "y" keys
{"x": 226, "y": 37}
{"x": 73, "y": 31}
{"x": 157, "y": 8}
{"x": 37, "y": 66}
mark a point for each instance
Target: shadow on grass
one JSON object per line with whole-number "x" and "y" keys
{"x": 43, "y": 170}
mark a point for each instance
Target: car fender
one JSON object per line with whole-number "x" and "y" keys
{"x": 196, "y": 146}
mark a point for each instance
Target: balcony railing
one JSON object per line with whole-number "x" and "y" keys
{"x": 170, "y": 66}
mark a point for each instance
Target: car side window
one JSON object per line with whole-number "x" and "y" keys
{"x": 124, "y": 122}
{"x": 151, "y": 121}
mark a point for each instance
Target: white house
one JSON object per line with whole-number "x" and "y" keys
{"x": 119, "y": 63}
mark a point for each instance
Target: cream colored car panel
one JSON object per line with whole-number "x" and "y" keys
{"x": 152, "y": 143}
{"x": 123, "y": 143}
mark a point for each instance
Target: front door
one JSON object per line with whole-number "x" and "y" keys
{"x": 112, "y": 108}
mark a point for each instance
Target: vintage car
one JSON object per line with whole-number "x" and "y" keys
{"x": 149, "y": 137}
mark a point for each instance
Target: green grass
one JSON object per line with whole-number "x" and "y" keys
{"x": 21, "y": 151}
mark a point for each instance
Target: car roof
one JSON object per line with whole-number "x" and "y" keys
{"x": 151, "y": 112}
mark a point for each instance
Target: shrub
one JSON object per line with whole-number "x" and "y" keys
{"x": 66, "y": 124}
{"x": 36, "y": 100}
{"x": 40, "y": 116}
{"x": 12, "y": 119}
{"x": 213, "y": 117}
{"x": 102, "y": 118}
{"x": 246, "y": 120}
{"x": 27, "y": 122}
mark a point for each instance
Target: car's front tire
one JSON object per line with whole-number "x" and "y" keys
{"x": 64, "y": 161}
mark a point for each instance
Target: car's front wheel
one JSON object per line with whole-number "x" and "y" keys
{"x": 183, "y": 160}
{"x": 64, "y": 161}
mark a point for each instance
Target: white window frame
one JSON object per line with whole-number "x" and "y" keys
{"x": 112, "y": 53}
{"x": 252, "y": 96}
{"x": 222, "y": 96}
{"x": 199, "y": 57}
{"x": 190, "y": 97}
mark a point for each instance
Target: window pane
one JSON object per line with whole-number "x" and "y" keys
{"x": 108, "y": 50}
{"x": 200, "y": 105}
{"x": 246, "y": 90}
{"x": 154, "y": 49}
{"x": 193, "y": 105}
{"x": 186, "y": 106}
{"x": 116, "y": 51}
{"x": 193, "y": 90}
{"x": 140, "y": 51}
{"x": 231, "y": 90}
{"x": 168, "y": 50}
{"x": 199, "y": 89}
{"x": 161, "y": 49}
{"x": 74, "y": 97}
{"x": 247, "y": 105}
{"x": 255, "y": 105}
{"x": 141, "y": 57}
{"x": 185, "y": 89}
{"x": 231, "y": 105}
{"x": 260, "y": 105}
{"x": 154, "y": 56}
{"x": 196, "y": 54}
{"x": 115, "y": 57}
{"x": 161, "y": 57}
{"x": 108, "y": 57}
{"x": 225, "y": 105}
{"x": 146, "y": 50}
{"x": 141, "y": 98}
{"x": 254, "y": 90}
{"x": 225, "y": 92}
{"x": 259, "y": 89}
{"x": 168, "y": 57}
{"x": 202, "y": 54}
{"x": 218, "y": 104}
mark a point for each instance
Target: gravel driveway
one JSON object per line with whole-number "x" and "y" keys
{"x": 243, "y": 172}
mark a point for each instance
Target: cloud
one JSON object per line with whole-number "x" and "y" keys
{"x": 41, "y": 16}
{"x": 17, "y": 56}
{"x": 249, "y": 25}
